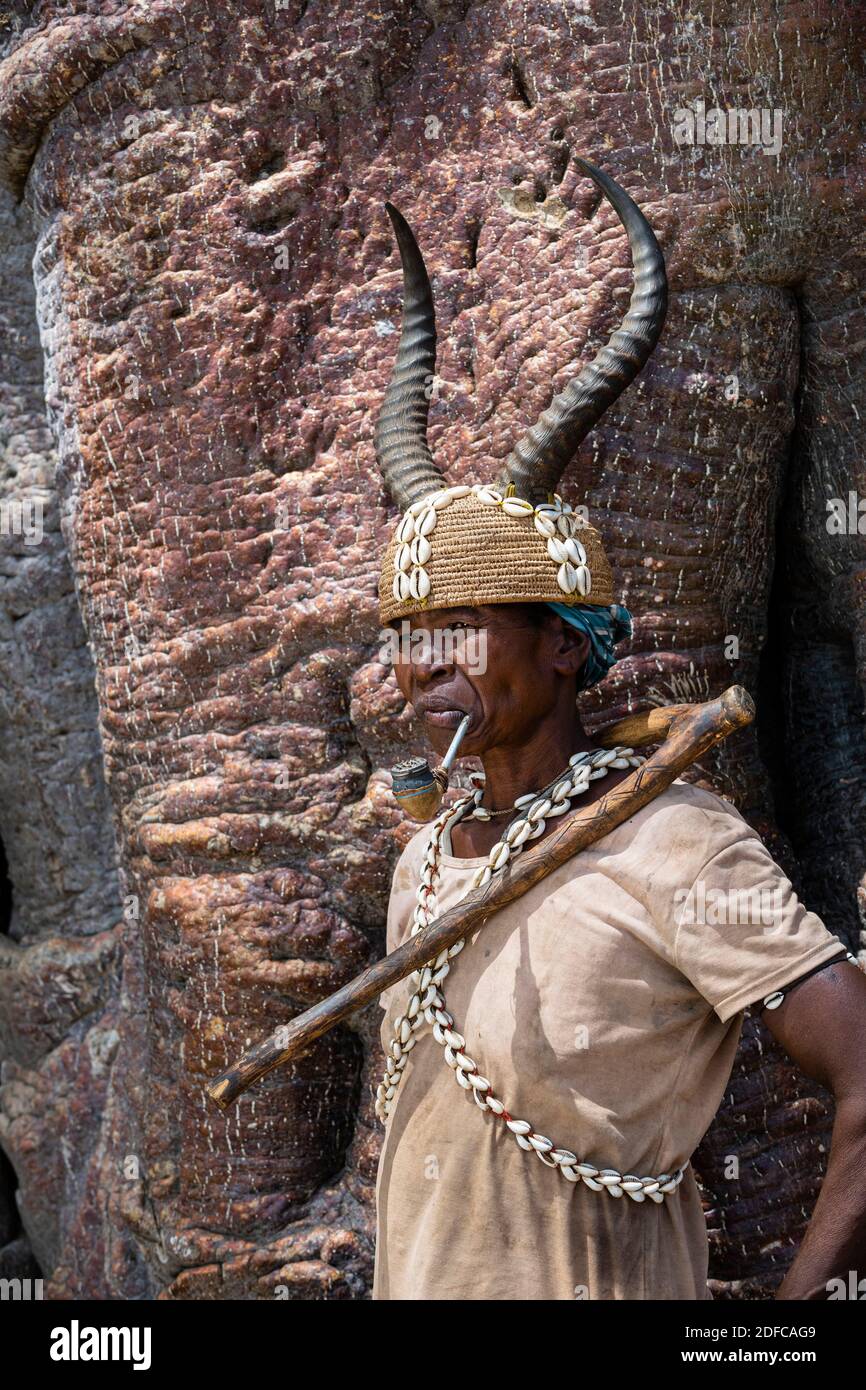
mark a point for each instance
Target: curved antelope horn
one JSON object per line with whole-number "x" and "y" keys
{"x": 538, "y": 461}
{"x": 401, "y": 430}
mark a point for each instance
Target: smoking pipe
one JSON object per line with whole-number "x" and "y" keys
{"x": 417, "y": 788}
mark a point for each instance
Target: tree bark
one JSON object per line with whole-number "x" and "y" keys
{"x": 217, "y": 297}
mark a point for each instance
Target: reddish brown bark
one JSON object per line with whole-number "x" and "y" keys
{"x": 217, "y": 296}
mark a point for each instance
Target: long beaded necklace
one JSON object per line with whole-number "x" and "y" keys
{"x": 427, "y": 1001}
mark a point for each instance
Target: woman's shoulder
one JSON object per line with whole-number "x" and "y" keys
{"x": 683, "y": 827}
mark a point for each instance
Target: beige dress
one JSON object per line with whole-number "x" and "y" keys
{"x": 604, "y": 1007}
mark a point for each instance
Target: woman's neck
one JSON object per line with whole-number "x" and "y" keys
{"x": 512, "y": 771}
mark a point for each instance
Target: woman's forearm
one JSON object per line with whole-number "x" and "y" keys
{"x": 834, "y": 1247}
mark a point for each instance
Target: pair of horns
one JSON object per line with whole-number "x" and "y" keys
{"x": 538, "y": 460}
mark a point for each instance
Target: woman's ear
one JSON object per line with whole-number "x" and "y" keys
{"x": 569, "y": 648}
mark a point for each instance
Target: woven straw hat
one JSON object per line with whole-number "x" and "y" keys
{"x": 516, "y": 541}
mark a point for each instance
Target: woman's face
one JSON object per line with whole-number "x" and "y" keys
{"x": 497, "y": 663}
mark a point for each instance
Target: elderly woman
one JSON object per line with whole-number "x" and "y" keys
{"x": 548, "y": 1079}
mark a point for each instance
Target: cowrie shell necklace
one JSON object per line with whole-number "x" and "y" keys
{"x": 426, "y": 1003}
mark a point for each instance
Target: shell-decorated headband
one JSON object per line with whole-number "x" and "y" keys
{"x": 515, "y": 541}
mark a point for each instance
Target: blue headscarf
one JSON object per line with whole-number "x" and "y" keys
{"x": 603, "y": 626}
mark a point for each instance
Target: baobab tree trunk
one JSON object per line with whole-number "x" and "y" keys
{"x": 217, "y": 297}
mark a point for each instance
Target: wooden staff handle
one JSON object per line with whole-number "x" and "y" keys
{"x": 686, "y": 731}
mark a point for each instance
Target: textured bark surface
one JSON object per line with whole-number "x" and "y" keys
{"x": 217, "y": 298}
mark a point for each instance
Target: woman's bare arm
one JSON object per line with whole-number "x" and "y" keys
{"x": 822, "y": 1026}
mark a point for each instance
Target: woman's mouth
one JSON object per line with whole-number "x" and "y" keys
{"x": 444, "y": 718}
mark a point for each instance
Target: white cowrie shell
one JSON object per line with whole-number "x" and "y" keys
{"x": 502, "y": 855}
{"x": 516, "y": 506}
{"x": 584, "y": 580}
{"x": 495, "y": 1105}
{"x": 541, "y": 1143}
{"x": 395, "y": 587}
{"x": 573, "y": 552}
{"x": 603, "y": 757}
{"x": 566, "y": 578}
{"x": 403, "y": 558}
{"x": 557, "y": 551}
{"x": 462, "y": 490}
{"x": 419, "y": 552}
{"x": 406, "y": 529}
{"x": 419, "y": 583}
{"x": 439, "y": 500}
{"x": 524, "y": 800}
{"x": 519, "y": 1126}
{"x": 480, "y": 1083}
{"x": 426, "y": 522}
{"x": 524, "y": 831}
{"x": 544, "y": 525}
{"x": 489, "y": 496}
{"x": 418, "y": 507}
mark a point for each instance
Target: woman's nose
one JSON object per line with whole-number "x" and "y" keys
{"x": 430, "y": 658}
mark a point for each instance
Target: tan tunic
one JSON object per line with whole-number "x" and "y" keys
{"x": 612, "y": 1029}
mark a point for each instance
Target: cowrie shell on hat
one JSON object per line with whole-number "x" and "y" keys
{"x": 557, "y": 551}
{"x": 544, "y": 524}
{"x": 566, "y": 578}
{"x": 574, "y": 552}
{"x": 420, "y": 551}
{"x": 439, "y": 500}
{"x": 516, "y": 506}
{"x": 419, "y": 583}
